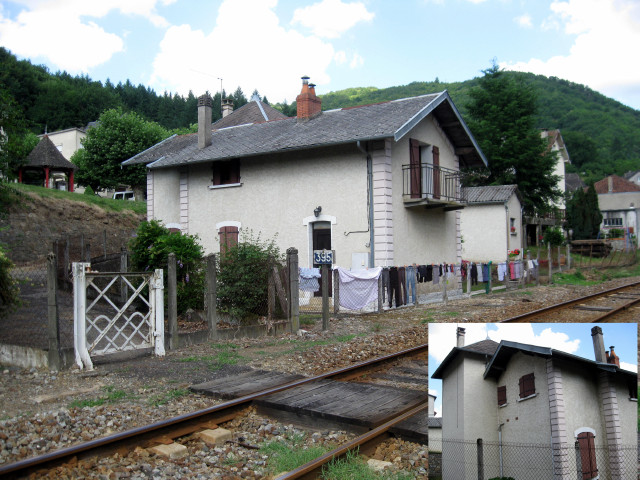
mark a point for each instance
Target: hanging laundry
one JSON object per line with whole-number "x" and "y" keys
{"x": 308, "y": 279}
{"x": 394, "y": 282}
{"x": 502, "y": 271}
{"x": 422, "y": 273}
{"x": 411, "y": 274}
{"x": 512, "y": 270}
{"x": 403, "y": 285}
{"x": 480, "y": 273}
{"x": 359, "y": 288}
{"x": 474, "y": 274}
{"x": 386, "y": 285}
{"x": 429, "y": 273}
{"x": 486, "y": 272}
{"x": 436, "y": 274}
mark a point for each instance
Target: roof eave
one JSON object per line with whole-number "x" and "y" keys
{"x": 131, "y": 161}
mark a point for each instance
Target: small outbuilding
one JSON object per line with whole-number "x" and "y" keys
{"x": 47, "y": 161}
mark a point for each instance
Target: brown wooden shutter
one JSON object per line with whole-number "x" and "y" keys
{"x": 587, "y": 455}
{"x": 234, "y": 175}
{"x": 502, "y": 395}
{"x": 436, "y": 172}
{"x": 215, "y": 180}
{"x": 228, "y": 238}
{"x": 415, "y": 168}
{"x": 527, "y": 385}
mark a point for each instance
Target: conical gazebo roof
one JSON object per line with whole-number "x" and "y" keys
{"x": 45, "y": 154}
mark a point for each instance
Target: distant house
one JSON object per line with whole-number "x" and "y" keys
{"x": 67, "y": 141}
{"x": 571, "y": 413}
{"x": 573, "y": 182}
{"x": 619, "y": 202}
{"x": 435, "y": 427}
{"x": 378, "y": 184}
{"x": 633, "y": 177}
{"x": 535, "y": 226}
{"x": 45, "y": 165}
{"x": 491, "y": 223}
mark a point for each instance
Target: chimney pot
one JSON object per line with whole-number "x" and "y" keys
{"x": 598, "y": 344}
{"x": 227, "y": 107}
{"x": 460, "y": 337}
{"x": 613, "y": 358}
{"x": 308, "y": 104}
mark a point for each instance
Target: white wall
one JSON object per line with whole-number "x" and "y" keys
{"x": 484, "y": 231}
{"x": 67, "y": 141}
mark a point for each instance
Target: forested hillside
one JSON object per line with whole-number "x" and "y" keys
{"x": 602, "y": 135}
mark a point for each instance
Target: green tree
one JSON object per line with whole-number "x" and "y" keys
{"x": 583, "y": 214}
{"x": 117, "y": 137}
{"x": 15, "y": 139}
{"x": 502, "y": 118}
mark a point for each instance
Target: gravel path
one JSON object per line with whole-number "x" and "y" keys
{"x": 41, "y": 411}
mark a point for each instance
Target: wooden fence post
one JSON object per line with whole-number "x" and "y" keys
{"x": 54, "y": 356}
{"x": 294, "y": 289}
{"x": 172, "y": 301}
{"x": 480, "y": 459}
{"x": 550, "y": 259}
{"x": 325, "y": 296}
{"x": 568, "y": 256}
{"x": 212, "y": 310}
{"x": 538, "y": 267}
{"x": 336, "y": 291}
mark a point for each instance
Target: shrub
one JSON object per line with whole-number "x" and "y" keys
{"x": 615, "y": 233}
{"x": 89, "y": 190}
{"x": 243, "y": 272}
{"x": 553, "y": 236}
{"x": 150, "y": 249}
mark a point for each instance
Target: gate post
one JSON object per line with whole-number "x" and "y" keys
{"x": 212, "y": 297}
{"x": 157, "y": 290}
{"x": 480, "y": 460}
{"x": 172, "y": 301}
{"x": 325, "y": 296}
{"x": 294, "y": 292}
{"x": 55, "y": 362}
{"x": 79, "y": 316}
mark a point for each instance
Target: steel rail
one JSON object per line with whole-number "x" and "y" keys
{"x": 187, "y": 423}
{"x": 312, "y": 469}
{"x": 616, "y": 310}
{"x": 536, "y": 313}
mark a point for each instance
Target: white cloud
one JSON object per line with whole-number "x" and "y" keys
{"x": 61, "y": 31}
{"x": 433, "y": 392}
{"x": 524, "y": 20}
{"x": 605, "y": 32}
{"x": 331, "y": 18}
{"x": 266, "y": 55}
{"x": 629, "y": 366}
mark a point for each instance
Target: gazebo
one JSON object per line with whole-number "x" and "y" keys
{"x": 46, "y": 157}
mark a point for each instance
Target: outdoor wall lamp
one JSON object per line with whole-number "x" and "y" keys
{"x": 317, "y": 211}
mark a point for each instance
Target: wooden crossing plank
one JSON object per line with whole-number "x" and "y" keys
{"x": 399, "y": 378}
{"x": 593, "y": 309}
{"x": 415, "y": 428}
{"x": 246, "y": 383}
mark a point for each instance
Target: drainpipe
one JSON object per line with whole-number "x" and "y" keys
{"x": 369, "y": 203}
{"x": 500, "y": 447}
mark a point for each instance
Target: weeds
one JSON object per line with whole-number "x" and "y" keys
{"x": 162, "y": 398}
{"x": 112, "y": 396}
{"x": 289, "y": 455}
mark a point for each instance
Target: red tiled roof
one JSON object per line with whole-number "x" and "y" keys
{"x": 618, "y": 185}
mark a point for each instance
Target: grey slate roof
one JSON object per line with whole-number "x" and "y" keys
{"x": 392, "y": 119}
{"x": 252, "y": 112}
{"x": 434, "y": 422}
{"x": 490, "y": 194}
{"x": 45, "y": 154}
{"x": 572, "y": 181}
{"x": 484, "y": 348}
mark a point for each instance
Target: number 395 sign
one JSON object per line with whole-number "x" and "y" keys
{"x": 323, "y": 257}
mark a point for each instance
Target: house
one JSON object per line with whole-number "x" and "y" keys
{"x": 43, "y": 162}
{"x": 619, "y": 202}
{"x": 534, "y": 225}
{"x": 378, "y": 184}
{"x": 434, "y": 425}
{"x": 633, "y": 176}
{"x": 570, "y": 412}
{"x": 491, "y": 223}
{"x": 573, "y": 182}
{"x": 67, "y": 141}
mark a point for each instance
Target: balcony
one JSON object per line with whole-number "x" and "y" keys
{"x": 427, "y": 186}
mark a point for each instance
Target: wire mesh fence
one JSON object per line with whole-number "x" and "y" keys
{"x": 462, "y": 460}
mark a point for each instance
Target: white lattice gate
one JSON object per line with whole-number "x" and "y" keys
{"x": 116, "y": 312}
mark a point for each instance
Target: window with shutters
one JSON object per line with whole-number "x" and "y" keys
{"x": 228, "y": 238}
{"x": 587, "y": 449}
{"x": 527, "y": 385}
{"x": 633, "y": 390}
{"x": 226, "y": 173}
{"x": 502, "y": 395}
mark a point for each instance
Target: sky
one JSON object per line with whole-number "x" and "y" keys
{"x": 573, "y": 338}
{"x": 199, "y": 45}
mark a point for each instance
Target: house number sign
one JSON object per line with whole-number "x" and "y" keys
{"x": 323, "y": 257}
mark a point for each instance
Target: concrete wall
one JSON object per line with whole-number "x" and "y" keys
{"x": 484, "y": 231}
{"x": 625, "y": 205}
{"x": 67, "y": 141}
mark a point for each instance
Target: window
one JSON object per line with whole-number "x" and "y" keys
{"x": 226, "y": 173}
{"x": 613, "y": 222}
{"x": 228, "y": 238}
{"x": 527, "y": 385}
{"x": 633, "y": 390}
{"x": 587, "y": 449}
{"x": 502, "y": 395}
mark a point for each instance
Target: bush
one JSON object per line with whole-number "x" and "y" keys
{"x": 243, "y": 273}
{"x": 553, "y": 236}
{"x": 615, "y": 233}
{"x": 89, "y": 190}
{"x": 150, "y": 249}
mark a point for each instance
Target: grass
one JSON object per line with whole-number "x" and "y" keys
{"x": 166, "y": 397}
{"x": 226, "y": 356}
{"x": 111, "y": 396}
{"x": 353, "y": 467}
{"x": 308, "y": 319}
{"x": 576, "y": 278}
{"x": 289, "y": 454}
{"x": 104, "y": 203}
{"x": 305, "y": 344}
{"x": 429, "y": 319}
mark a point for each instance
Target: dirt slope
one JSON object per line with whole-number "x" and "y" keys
{"x": 31, "y": 225}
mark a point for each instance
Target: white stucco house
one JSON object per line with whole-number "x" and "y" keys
{"x": 491, "y": 223}
{"x": 378, "y": 184}
{"x": 619, "y": 202}
{"x": 67, "y": 141}
{"x": 572, "y": 414}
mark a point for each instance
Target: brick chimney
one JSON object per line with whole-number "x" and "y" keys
{"x": 227, "y": 107}
{"x": 612, "y": 357}
{"x": 598, "y": 344}
{"x": 460, "y": 337}
{"x": 308, "y": 104}
{"x": 204, "y": 121}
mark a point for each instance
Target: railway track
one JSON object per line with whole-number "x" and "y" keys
{"x": 168, "y": 431}
{"x": 616, "y": 304}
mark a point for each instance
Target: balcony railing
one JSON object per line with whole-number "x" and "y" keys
{"x": 429, "y": 185}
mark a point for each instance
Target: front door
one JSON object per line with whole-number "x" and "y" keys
{"x": 322, "y": 241}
